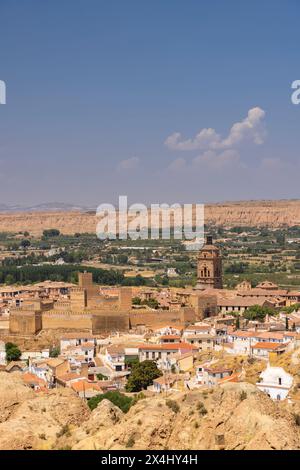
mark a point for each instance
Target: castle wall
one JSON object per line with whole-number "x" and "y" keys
{"x": 78, "y": 297}
{"x": 157, "y": 318}
{"x": 107, "y": 322}
{"x": 25, "y": 323}
{"x": 66, "y": 320}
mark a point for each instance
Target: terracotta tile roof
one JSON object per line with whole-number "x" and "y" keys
{"x": 165, "y": 346}
{"x": 29, "y": 378}
{"x": 69, "y": 376}
{"x": 83, "y": 385}
{"x": 269, "y": 335}
{"x": 231, "y": 378}
{"x": 116, "y": 349}
{"x": 243, "y": 334}
{"x": 267, "y": 345}
{"x": 198, "y": 328}
{"x": 170, "y": 337}
{"x": 13, "y": 364}
{"x": 55, "y": 361}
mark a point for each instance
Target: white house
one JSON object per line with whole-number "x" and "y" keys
{"x": 84, "y": 352}
{"x": 194, "y": 330}
{"x": 275, "y": 382}
{"x": 161, "y": 352}
{"x": 210, "y": 376}
{"x": 76, "y": 340}
{"x": 242, "y": 341}
{"x": 114, "y": 358}
{"x": 44, "y": 354}
{"x": 2, "y": 353}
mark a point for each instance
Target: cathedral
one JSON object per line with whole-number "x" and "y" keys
{"x": 209, "y": 267}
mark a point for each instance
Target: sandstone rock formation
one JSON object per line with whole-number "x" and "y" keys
{"x": 248, "y": 213}
{"x": 231, "y": 417}
{"x": 32, "y": 420}
{"x": 234, "y": 416}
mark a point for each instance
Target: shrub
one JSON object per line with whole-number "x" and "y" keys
{"x": 117, "y": 398}
{"x": 201, "y": 408}
{"x": 297, "y": 419}
{"x": 173, "y": 405}
{"x": 65, "y": 431}
{"x": 130, "y": 442}
{"x": 54, "y": 352}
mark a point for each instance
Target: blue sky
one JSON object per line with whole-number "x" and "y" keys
{"x": 95, "y": 89}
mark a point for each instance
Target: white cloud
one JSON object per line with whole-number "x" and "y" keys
{"x": 206, "y": 138}
{"x": 129, "y": 164}
{"x": 218, "y": 153}
{"x": 249, "y": 129}
{"x": 207, "y": 160}
{"x": 217, "y": 160}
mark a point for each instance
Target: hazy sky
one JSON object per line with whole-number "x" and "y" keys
{"x": 161, "y": 100}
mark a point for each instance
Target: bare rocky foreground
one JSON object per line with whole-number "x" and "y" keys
{"x": 249, "y": 213}
{"x": 233, "y": 416}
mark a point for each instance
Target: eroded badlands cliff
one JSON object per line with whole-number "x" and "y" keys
{"x": 233, "y": 416}
{"x": 249, "y": 213}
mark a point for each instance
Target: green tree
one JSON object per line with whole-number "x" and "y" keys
{"x": 9, "y": 279}
{"x": 257, "y": 312}
{"x": 142, "y": 376}
{"x": 52, "y": 232}
{"x": 54, "y": 352}
{"x": 13, "y": 353}
{"x": 286, "y": 323}
{"x": 25, "y": 243}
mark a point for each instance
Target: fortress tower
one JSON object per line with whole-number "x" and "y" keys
{"x": 209, "y": 266}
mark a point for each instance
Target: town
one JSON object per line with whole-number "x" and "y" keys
{"x": 99, "y": 338}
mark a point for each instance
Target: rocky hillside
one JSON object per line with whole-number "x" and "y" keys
{"x": 249, "y": 213}
{"x": 234, "y": 416}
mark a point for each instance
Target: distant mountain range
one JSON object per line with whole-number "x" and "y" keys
{"x": 45, "y": 207}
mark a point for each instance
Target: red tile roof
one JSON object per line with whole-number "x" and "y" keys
{"x": 267, "y": 345}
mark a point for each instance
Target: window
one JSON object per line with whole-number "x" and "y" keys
{"x": 279, "y": 381}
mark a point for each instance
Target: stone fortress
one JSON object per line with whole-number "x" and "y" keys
{"x": 87, "y": 308}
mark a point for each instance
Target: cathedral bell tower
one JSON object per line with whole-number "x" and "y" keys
{"x": 209, "y": 266}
